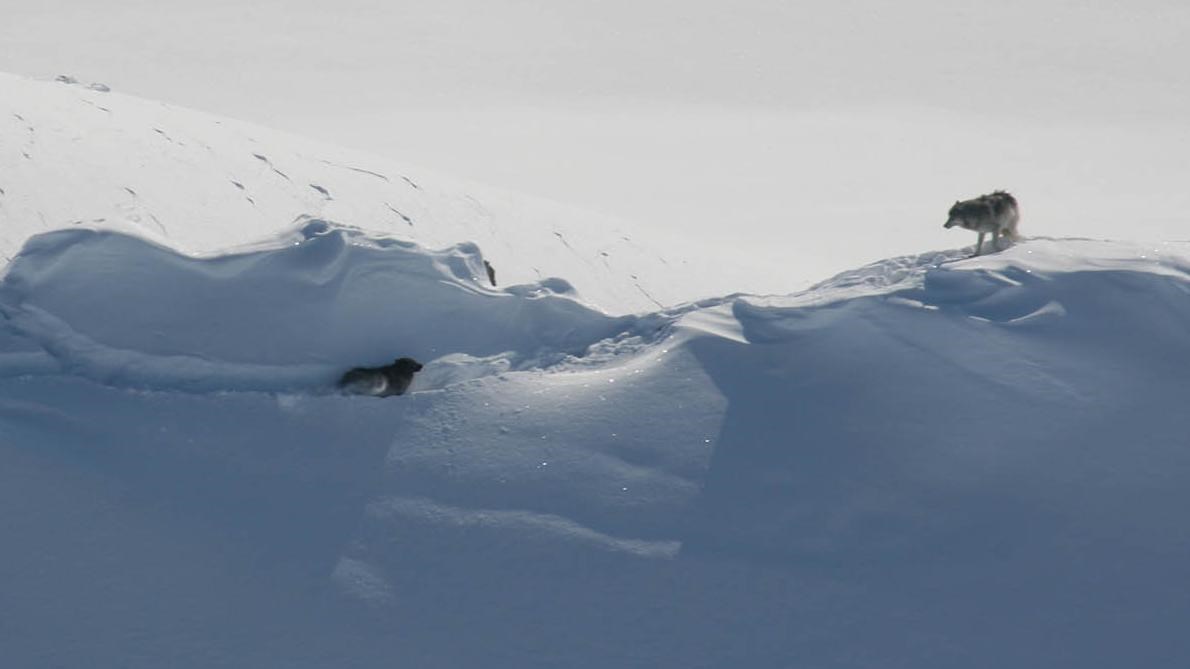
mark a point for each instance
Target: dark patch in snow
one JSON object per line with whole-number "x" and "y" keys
{"x": 26, "y": 155}
{"x": 648, "y": 296}
{"x": 563, "y": 240}
{"x": 99, "y": 107}
{"x": 478, "y": 206}
{"x": 325, "y": 193}
{"x": 491, "y": 271}
{"x": 356, "y": 169}
{"x": 161, "y": 132}
{"x": 410, "y": 182}
{"x": 130, "y": 191}
{"x": 67, "y": 79}
{"x": 18, "y": 117}
{"x": 398, "y": 213}
{"x": 159, "y": 225}
{"x": 266, "y": 161}
{"x": 237, "y": 184}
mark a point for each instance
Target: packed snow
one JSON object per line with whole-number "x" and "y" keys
{"x": 930, "y": 461}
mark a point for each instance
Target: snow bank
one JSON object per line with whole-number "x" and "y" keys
{"x": 931, "y": 461}
{"x": 290, "y": 317}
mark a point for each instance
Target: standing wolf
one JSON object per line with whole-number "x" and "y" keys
{"x": 996, "y": 213}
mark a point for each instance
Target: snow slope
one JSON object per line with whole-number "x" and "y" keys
{"x": 931, "y": 461}
{"x": 74, "y": 156}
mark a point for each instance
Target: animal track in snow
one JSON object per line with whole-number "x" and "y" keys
{"x": 266, "y": 161}
{"x": 398, "y": 213}
{"x": 564, "y": 242}
{"x": 244, "y": 191}
{"x": 356, "y": 169}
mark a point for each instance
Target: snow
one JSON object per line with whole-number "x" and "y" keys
{"x": 75, "y": 157}
{"x": 929, "y": 461}
{"x": 285, "y": 318}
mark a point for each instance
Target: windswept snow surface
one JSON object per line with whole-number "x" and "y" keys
{"x": 931, "y": 461}
{"x": 75, "y": 156}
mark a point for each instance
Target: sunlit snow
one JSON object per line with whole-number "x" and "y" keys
{"x": 929, "y": 461}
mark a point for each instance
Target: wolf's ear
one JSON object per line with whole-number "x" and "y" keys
{"x": 957, "y": 202}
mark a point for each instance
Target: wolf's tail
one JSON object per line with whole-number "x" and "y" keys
{"x": 1015, "y": 214}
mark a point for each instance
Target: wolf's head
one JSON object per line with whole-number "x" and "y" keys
{"x": 407, "y": 365}
{"x": 955, "y": 216}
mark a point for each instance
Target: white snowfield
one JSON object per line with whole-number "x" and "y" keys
{"x": 929, "y": 462}
{"x": 73, "y": 156}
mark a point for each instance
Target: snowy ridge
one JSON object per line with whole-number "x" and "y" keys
{"x": 285, "y": 318}
{"x": 969, "y": 443}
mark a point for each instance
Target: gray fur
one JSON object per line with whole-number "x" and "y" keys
{"x": 996, "y": 213}
{"x": 383, "y": 381}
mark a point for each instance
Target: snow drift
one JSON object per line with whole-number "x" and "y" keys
{"x": 291, "y": 317}
{"x": 931, "y": 461}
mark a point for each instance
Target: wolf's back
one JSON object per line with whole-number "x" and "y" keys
{"x": 1006, "y": 211}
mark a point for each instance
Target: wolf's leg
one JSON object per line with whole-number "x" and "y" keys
{"x": 996, "y": 240}
{"x": 979, "y": 244}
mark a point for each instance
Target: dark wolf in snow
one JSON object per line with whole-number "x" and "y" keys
{"x": 996, "y": 213}
{"x": 383, "y": 381}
